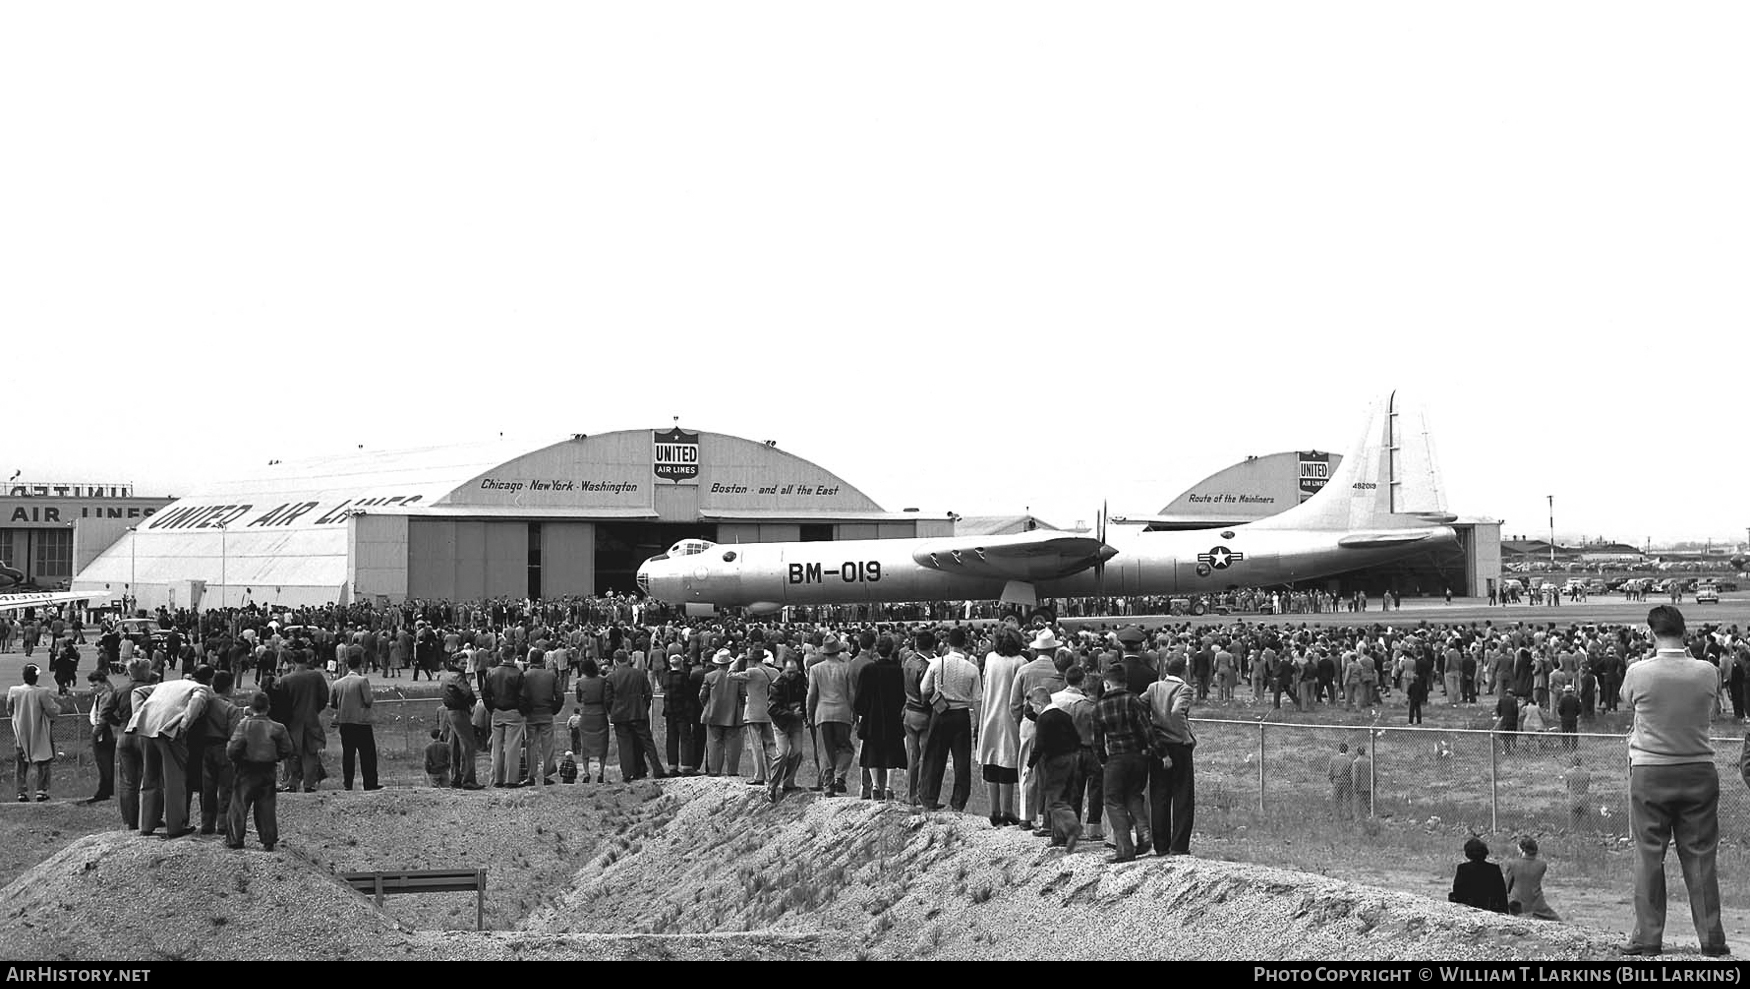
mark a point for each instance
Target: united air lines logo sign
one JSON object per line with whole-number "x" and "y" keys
{"x": 677, "y": 455}
{"x": 1315, "y": 470}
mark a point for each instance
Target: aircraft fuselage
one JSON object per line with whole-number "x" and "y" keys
{"x": 767, "y": 576}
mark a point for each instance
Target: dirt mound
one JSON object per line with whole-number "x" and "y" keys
{"x": 907, "y": 886}
{"x": 118, "y": 896}
{"x": 530, "y": 841}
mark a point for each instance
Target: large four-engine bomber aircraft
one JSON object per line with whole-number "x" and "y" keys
{"x": 1354, "y": 522}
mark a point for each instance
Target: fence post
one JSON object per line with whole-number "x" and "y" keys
{"x": 1494, "y": 788}
{"x": 1373, "y": 766}
{"x": 1260, "y": 765}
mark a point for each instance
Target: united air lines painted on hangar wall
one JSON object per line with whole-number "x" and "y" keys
{"x": 621, "y": 471}
{"x": 615, "y": 474}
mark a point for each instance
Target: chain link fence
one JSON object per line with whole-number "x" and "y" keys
{"x": 1256, "y": 771}
{"x": 1248, "y": 772}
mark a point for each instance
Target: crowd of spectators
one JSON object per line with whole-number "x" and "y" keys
{"x": 517, "y": 677}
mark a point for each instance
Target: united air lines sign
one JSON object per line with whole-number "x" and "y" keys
{"x": 677, "y": 456}
{"x": 1315, "y": 470}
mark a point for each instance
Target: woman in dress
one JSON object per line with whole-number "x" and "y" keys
{"x": 1524, "y": 877}
{"x": 879, "y": 703}
{"x": 593, "y": 730}
{"x": 999, "y": 737}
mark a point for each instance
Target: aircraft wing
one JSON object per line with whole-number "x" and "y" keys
{"x": 1376, "y": 538}
{"x": 1046, "y": 555}
{"x": 14, "y": 602}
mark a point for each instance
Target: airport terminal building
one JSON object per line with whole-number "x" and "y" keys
{"x": 491, "y": 520}
{"x": 50, "y": 530}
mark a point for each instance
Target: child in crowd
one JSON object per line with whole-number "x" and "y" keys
{"x": 1478, "y": 882}
{"x": 437, "y": 761}
{"x": 568, "y": 768}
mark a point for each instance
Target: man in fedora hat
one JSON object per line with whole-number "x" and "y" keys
{"x": 1040, "y": 671}
{"x": 829, "y": 709}
{"x": 724, "y": 699}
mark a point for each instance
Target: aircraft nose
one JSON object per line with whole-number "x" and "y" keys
{"x": 643, "y": 577}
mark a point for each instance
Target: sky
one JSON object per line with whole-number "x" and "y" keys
{"x": 971, "y": 257}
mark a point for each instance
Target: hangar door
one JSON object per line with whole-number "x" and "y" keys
{"x": 464, "y": 560}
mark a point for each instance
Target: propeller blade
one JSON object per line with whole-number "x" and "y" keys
{"x": 1100, "y": 564}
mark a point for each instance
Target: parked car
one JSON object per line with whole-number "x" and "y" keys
{"x": 1707, "y": 594}
{"x": 147, "y": 629}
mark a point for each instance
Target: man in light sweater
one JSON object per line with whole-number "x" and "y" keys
{"x": 1674, "y": 789}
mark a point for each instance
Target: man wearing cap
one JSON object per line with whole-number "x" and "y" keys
{"x": 130, "y": 750}
{"x": 829, "y": 709}
{"x": 787, "y": 703}
{"x": 1138, "y": 674}
{"x": 457, "y": 693}
{"x": 723, "y": 699}
{"x": 1040, "y": 671}
{"x": 255, "y": 746}
{"x": 33, "y": 709}
{"x": 1087, "y": 779}
{"x": 1123, "y": 721}
{"x": 680, "y": 712}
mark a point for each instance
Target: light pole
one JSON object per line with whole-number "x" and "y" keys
{"x": 133, "y": 552}
{"x": 222, "y": 589}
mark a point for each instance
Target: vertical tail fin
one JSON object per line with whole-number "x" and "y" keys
{"x": 1382, "y": 482}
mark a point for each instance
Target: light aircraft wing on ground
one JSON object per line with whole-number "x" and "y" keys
{"x": 16, "y": 602}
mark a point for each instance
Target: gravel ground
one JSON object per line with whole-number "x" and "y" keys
{"x": 898, "y": 885}
{"x": 706, "y": 870}
{"x": 118, "y": 896}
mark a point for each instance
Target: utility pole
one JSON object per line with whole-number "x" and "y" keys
{"x": 1552, "y": 529}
